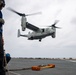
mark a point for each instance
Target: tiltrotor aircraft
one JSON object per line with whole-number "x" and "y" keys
{"x": 39, "y": 33}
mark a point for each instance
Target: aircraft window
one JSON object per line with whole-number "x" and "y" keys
{"x": 43, "y": 30}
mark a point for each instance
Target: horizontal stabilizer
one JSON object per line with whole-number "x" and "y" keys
{"x": 19, "y": 34}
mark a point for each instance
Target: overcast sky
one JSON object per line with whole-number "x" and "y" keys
{"x": 64, "y": 45}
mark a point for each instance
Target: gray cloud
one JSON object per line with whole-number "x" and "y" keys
{"x": 63, "y": 45}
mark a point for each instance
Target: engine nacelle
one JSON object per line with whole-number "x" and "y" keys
{"x": 23, "y": 23}
{"x": 53, "y": 35}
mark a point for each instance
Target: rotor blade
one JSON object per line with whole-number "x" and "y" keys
{"x": 33, "y": 14}
{"x": 20, "y": 14}
{"x": 58, "y": 27}
{"x": 55, "y": 27}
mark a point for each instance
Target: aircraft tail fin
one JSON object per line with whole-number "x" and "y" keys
{"x": 18, "y": 33}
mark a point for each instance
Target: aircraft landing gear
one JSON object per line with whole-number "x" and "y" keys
{"x": 39, "y": 40}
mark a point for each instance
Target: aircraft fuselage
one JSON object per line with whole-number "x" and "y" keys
{"x": 42, "y": 33}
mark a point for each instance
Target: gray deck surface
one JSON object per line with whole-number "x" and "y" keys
{"x": 63, "y": 67}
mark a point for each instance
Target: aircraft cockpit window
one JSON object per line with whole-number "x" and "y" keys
{"x": 43, "y": 30}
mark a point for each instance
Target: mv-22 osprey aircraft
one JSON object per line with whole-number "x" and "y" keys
{"x": 38, "y": 33}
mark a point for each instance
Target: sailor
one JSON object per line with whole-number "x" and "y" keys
{"x": 2, "y": 71}
{"x": 7, "y": 56}
{"x": 7, "y": 59}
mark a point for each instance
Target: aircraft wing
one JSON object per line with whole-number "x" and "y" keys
{"x": 31, "y": 27}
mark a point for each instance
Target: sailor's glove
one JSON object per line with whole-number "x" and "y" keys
{"x": 2, "y": 21}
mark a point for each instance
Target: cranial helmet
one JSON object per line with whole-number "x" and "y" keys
{"x": 2, "y": 3}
